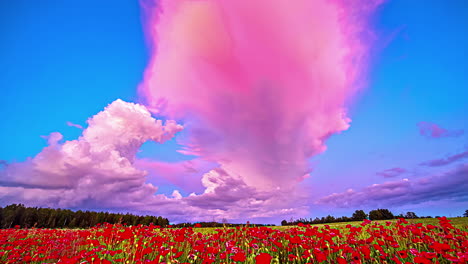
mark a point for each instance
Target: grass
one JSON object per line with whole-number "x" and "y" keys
{"x": 458, "y": 222}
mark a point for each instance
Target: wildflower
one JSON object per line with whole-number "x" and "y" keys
{"x": 263, "y": 258}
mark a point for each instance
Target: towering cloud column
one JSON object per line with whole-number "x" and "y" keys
{"x": 260, "y": 84}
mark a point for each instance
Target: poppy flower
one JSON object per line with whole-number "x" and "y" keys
{"x": 263, "y": 258}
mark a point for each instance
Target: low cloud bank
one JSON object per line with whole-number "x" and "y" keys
{"x": 449, "y": 186}
{"x": 446, "y": 161}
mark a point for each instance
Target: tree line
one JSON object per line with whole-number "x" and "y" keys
{"x": 358, "y": 215}
{"x": 216, "y": 224}
{"x": 26, "y": 217}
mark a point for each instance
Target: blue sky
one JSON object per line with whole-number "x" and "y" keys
{"x": 66, "y": 60}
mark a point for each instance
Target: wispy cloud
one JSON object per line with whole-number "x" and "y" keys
{"x": 446, "y": 161}
{"x": 391, "y": 173}
{"x": 74, "y": 125}
{"x": 432, "y": 130}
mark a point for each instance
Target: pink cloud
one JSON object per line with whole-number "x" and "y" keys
{"x": 96, "y": 167}
{"x": 432, "y": 130}
{"x": 260, "y": 84}
{"x": 54, "y": 138}
{"x": 186, "y": 175}
{"x": 74, "y": 125}
{"x": 228, "y": 196}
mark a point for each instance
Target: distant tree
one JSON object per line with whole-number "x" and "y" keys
{"x": 30, "y": 217}
{"x": 466, "y": 213}
{"x": 343, "y": 219}
{"x": 2, "y": 217}
{"x": 284, "y": 222}
{"x": 329, "y": 219}
{"x": 13, "y": 215}
{"x": 359, "y": 215}
{"x": 146, "y": 220}
{"x": 411, "y": 215}
{"x": 380, "y": 214}
{"x": 375, "y": 215}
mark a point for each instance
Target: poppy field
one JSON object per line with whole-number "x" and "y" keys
{"x": 366, "y": 242}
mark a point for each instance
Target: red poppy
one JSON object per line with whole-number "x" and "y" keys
{"x": 402, "y": 253}
{"x": 263, "y": 258}
{"x": 239, "y": 256}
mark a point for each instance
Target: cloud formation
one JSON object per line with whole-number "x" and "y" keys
{"x": 391, "y": 173}
{"x": 186, "y": 175}
{"x": 93, "y": 168}
{"x": 261, "y": 85}
{"x": 449, "y": 160}
{"x": 449, "y": 186}
{"x": 432, "y": 130}
{"x": 100, "y": 170}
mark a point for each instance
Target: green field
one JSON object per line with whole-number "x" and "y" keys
{"x": 458, "y": 222}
